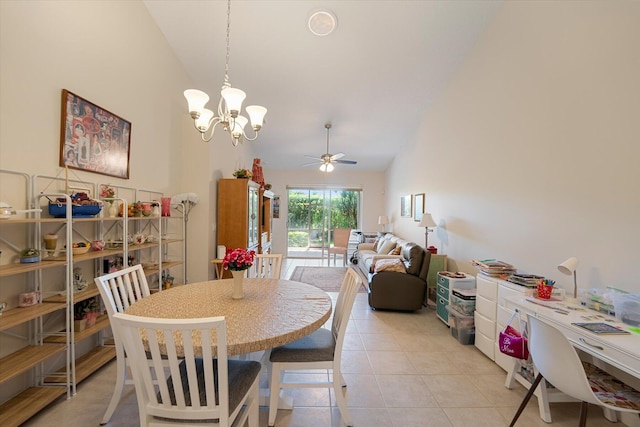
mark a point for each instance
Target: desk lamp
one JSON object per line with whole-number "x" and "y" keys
{"x": 568, "y": 267}
{"x": 383, "y": 220}
{"x": 426, "y": 222}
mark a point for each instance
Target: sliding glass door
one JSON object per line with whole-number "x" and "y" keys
{"x": 314, "y": 213}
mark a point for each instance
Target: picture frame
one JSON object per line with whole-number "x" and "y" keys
{"x": 405, "y": 206}
{"x": 93, "y": 139}
{"x": 418, "y": 206}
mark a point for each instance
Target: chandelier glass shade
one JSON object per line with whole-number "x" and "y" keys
{"x": 229, "y": 107}
{"x": 326, "y": 167}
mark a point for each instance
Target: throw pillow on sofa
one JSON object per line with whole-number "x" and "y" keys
{"x": 389, "y": 265}
{"x": 396, "y": 251}
{"x": 385, "y": 247}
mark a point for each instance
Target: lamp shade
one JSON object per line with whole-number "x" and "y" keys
{"x": 326, "y": 167}
{"x": 202, "y": 122}
{"x": 569, "y": 266}
{"x": 427, "y": 221}
{"x": 256, "y": 115}
{"x": 233, "y": 98}
{"x": 383, "y": 220}
{"x": 196, "y": 100}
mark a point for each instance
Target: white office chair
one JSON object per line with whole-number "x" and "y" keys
{"x": 200, "y": 387}
{"x": 266, "y": 266}
{"x": 557, "y": 361}
{"x": 320, "y": 350}
{"x": 118, "y": 291}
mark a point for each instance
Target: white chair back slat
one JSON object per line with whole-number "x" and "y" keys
{"x": 266, "y": 266}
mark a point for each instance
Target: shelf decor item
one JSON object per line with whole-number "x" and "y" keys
{"x": 29, "y": 255}
{"x": 93, "y": 139}
{"x": 238, "y": 260}
{"x": 243, "y": 174}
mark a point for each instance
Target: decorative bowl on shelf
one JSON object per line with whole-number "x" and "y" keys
{"x": 81, "y": 250}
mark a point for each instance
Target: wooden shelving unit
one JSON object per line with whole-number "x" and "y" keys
{"x": 47, "y": 332}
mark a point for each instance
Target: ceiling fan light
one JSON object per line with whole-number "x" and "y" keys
{"x": 233, "y": 98}
{"x": 196, "y": 99}
{"x": 326, "y": 167}
{"x": 256, "y": 115}
{"x": 202, "y": 122}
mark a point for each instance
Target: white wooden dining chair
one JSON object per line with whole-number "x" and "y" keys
{"x": 267, "y": 266}
{"x": 200, "y": 387}
{"x": 557, "y": 362}
{"x": 320, "y": 350}
{"x": 118, "y": 291}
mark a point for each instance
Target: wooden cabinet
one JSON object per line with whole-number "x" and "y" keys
{"x": 238, "y": 214}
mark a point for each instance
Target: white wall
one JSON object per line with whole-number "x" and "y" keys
{"x": 530, "y": 155}
{"x": 113, "y": 54}
{"x": 372, "y": 184}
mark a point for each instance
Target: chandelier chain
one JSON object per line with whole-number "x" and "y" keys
{"x": 226, "y": 65}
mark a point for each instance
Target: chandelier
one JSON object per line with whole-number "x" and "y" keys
{"x": 229, "y": 107}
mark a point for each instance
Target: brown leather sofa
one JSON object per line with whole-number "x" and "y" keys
{"x": 393, "y": 290}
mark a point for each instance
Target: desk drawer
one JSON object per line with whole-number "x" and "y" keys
{"x": 485, "y": 345}
{"x": 485, "y": 326}
{"x": 486, "y": 307}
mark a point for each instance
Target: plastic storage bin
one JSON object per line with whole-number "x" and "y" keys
{"x": 462, "y": 326}
{"x": 464, "y": 301}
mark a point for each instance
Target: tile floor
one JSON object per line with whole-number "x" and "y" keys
{"x": 402, "y": 369}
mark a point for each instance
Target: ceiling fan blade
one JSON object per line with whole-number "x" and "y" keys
{"x": 347, "y": 162}
{"x": 337, "y": 156}
{"x": 314, "y": 157}
{"x": 313, "y": 164}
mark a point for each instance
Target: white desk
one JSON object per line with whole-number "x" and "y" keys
{"x": 618, "y": 354}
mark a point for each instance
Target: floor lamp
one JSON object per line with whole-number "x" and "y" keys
{"x": 426, "y": 222}
{"x": 569, "y": 267}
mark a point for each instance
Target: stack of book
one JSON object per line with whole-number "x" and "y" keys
{"x": 524, "y": 279}
{"x": 494, "y": 268}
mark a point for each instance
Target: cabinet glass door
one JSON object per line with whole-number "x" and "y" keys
{"x": 253, "y": 217}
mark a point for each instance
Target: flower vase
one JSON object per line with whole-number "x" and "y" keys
{"x": 113, "y": 210}
{"x": 238, "y": 277}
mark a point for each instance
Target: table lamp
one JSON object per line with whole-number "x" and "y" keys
{"x": 568, "y": 267}
{"x": 383, "y": 220}
{"x": 426, "y": 222}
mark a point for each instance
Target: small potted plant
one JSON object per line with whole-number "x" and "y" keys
{"x": 243, "y": 174}
{"x": 29, "y": 255}
{"x": 85, "y": 313}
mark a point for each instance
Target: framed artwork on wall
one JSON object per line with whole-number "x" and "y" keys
{"x": 405, "y": 206}
{"x": 418, "y": 206}
{"x": 93, "y": 139}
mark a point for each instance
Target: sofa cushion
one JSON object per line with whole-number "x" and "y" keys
{"x": 385, "y": 246}
{"x": 389, "y": 265}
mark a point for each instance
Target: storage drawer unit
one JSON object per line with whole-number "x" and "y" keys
{"x": 444, "y": 290}
{"x": 486, "y": 296}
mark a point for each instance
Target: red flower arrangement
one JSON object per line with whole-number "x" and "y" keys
{"x": 238, "y": 259}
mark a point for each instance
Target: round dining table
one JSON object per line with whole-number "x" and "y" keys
{"x": 273, "y": 312}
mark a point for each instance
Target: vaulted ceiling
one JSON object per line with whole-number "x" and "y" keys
{"x": 373, "y": 78}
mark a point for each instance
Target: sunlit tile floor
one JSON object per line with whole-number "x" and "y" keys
{"x": 402, "y": 369}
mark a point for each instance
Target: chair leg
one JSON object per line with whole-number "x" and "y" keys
{"x": 274, "y": 393}
{"x": 526, "y": 399}
{"x": 340, "y": 399}
{"x": 121, "y": 373}
{"x": 583, "y": 414}
{"x": 254, "y": 410}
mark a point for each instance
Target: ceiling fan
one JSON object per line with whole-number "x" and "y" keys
{"x": 327, "y": 160}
